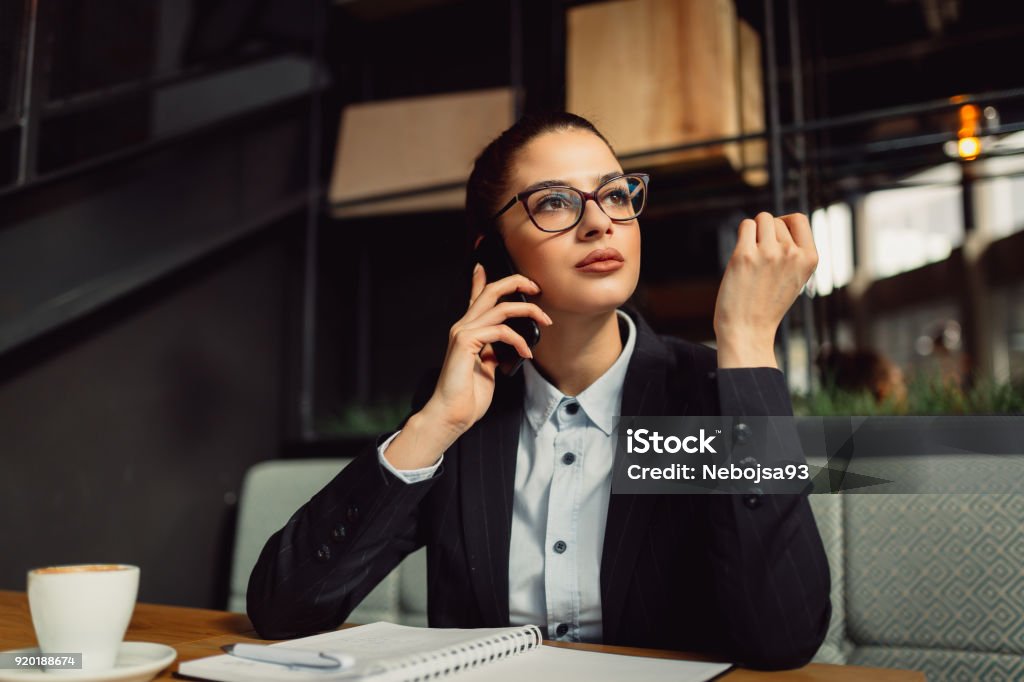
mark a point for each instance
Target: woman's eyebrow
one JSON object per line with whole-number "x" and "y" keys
{"x": 545, "y": 183}
{"x": 565, "y": 183}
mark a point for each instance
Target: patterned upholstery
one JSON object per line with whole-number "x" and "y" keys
{"x": 937, "y": 571}
{"x": 271, "y": 492}
{"x": 828, "y": 512}
{"x": 931, "y": 582}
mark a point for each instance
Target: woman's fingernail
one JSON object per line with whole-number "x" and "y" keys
{"x": 476, "y": 268}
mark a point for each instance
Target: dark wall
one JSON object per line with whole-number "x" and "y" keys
{"x": 150, "y": 285}
{"x": 147, "y": 328}
{"x": 128, "y": 443}
{"x": 150, "y": 321}
{"x": 416, "y": 286}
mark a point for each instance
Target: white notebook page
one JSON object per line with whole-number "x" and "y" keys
{"x": 555, "y": 664}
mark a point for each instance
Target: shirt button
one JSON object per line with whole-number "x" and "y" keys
{"x": 562, "y": 630}
{"x": 572, "y": 408}
{"x": 559, "y": 547}
{"x": 339, "y": 533}
{"x": 324, "y": 553}
{"x": 352, "y": 513}
{"x": 568, "y": 458}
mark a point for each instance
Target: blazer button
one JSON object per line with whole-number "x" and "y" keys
{"x": 323, "y": 554}
{"x": 741, "y": 432}
{"x": 559, "y": 547}
{"x": 562, "y": 630}
{"x": 339, "y": 533}
{"x": 352, "y": 513}
{"x": 752, "y": 501}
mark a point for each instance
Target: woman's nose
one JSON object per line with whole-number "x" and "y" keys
{"x": 595, "y": 221}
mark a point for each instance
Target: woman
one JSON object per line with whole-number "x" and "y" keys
{"x": 506, "y": 479}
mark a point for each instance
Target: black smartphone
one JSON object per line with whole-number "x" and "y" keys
{"x": 492, "y": 254}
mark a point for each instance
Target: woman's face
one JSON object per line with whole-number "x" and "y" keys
{"x": 577, "y": 158}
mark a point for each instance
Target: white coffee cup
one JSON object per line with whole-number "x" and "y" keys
{"x": 83, "y": 609}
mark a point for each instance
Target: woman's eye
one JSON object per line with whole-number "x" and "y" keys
{"x": 616, "y": 197}
{"x": 553, "y": 202}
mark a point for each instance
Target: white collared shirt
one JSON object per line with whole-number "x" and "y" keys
{"x": 563, "y": 482}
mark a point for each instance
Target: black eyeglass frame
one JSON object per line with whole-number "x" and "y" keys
{"x": 521, "y": 197}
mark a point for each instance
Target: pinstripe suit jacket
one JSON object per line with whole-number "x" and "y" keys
{"x": 740, "y": 577}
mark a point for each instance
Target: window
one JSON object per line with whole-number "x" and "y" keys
{"x": 909, "y": 227}
{"x": 833, "y": 236}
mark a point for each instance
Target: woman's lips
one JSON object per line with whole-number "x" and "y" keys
{"x": 601, "y": 266}
{"x": 601, "y": 260}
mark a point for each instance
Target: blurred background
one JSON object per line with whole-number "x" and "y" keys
{"x": 231, "y": 231}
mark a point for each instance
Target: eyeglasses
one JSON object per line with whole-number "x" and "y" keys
{"x": 558, "y": 208}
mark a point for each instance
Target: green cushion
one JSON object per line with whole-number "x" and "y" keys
{"x": 271, "y": 492}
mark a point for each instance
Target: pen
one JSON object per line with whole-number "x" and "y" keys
{"x": 293, "y": 658}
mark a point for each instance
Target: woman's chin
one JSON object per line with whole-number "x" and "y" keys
{"x": 591, "y": 296}
{"x": 597, "y": 304}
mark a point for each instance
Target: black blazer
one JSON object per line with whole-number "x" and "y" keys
{"x": 740, "y": 577}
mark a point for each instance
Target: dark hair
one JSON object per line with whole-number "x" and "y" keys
{"x": 488, "y": 183}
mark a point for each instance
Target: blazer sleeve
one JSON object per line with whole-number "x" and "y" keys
{"x": 313, "y": 572}
{"x": 768, "y": 561}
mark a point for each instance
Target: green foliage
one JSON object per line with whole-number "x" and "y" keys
{"x": 355, "y": 419}
{"x": 926, "y": 395}
{"x": 831, "y": 402}
{"x": 994, "y": 398}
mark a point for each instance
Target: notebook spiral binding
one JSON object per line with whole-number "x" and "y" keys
{"x": 434, "y": 665}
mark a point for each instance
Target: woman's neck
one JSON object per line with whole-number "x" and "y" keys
{"x": 576, "y": 350}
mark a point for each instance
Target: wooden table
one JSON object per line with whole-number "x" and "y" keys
{"x": 196, "y": 633}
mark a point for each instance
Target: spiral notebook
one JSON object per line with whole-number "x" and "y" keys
{"x": 385, "y": 652}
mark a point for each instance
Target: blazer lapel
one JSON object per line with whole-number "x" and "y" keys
{"x": 487, "y": 467}
{"x": 643, "y": 394}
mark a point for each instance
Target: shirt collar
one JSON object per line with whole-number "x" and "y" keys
{"x": 599, "y": 401}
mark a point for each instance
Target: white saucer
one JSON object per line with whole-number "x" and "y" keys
{"x": 136, "y": 662}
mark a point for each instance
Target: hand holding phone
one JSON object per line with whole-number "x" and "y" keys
{"x": 465, "y": 387}
{"x": 493, "y": 256}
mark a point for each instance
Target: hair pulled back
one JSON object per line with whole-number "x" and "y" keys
{"x": 488, "y": 187}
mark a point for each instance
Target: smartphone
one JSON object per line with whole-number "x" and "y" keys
{"x": 492, "y": 254}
